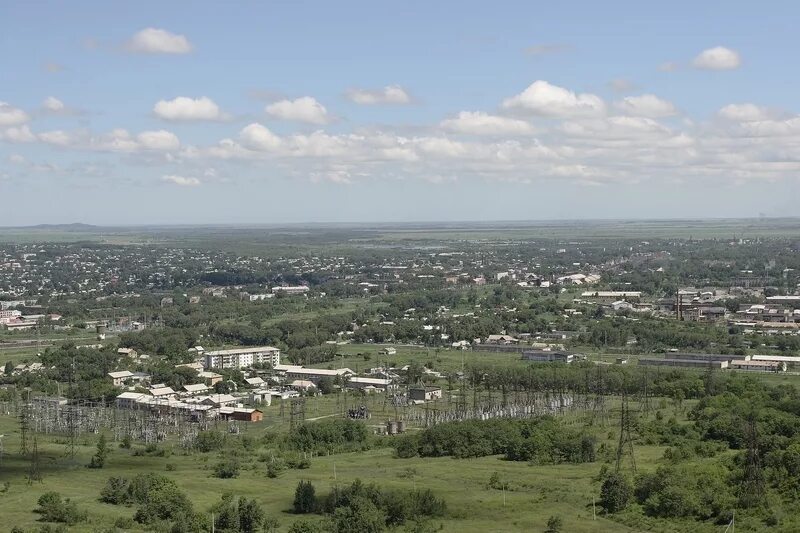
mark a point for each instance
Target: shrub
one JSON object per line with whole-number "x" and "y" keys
{"x": 305, "y": 500}
{"x": 227, "y": 469}
{"x": 55, "y": 509}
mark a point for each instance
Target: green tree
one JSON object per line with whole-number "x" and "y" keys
{"x": 360, "y": 516}
{"x": 305, "y": 499}
{"x": 99, "y": 458}
{"x": 615, "y": 493}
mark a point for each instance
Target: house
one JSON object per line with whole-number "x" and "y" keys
{"x": 118, "y": 379}
{"x": 389, "y": 350}
{"x": 302, "y": 384}
{"x": 162, "y": 392}
{"x": 244, "y": 414}
{"x": 218, "y": 400}
{"x": 196, "y": 388}
{"x": 127, "y": 352}
{"x": 254, "y": 382}
{"x": 129, "y": 400}
{"x": 425, "y": 394}
{"x": 501, "y": 339}
{"x": 262, "y": 396}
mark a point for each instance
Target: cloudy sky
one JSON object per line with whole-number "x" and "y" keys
{"x": 271, "y": 112}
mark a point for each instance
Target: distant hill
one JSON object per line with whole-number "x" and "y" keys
{"x": 76, "y": 226}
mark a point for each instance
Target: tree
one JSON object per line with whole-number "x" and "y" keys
{"x": 304, "y": 526}
{"x": 615, "y": 493}
{"x": 360, "y": 516}
{"x": 325, "y": 385}
{"x": 99, "y": 458}
{"x": 305, "y": 499}
{"x": 251, "y": 516}
{"x": 554, "y": 524}
{"x": 9, "y": 368}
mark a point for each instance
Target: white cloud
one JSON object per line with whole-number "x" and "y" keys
{"x": 17, "y": 159}
{"x": 303, "y": 109}
{"x": 391, "y": 94}
{"x": 668, "y": 66}
{"x": 646, "y": 105}
{"x": 717, "y": 58}
{"x": 480, "y": 123}
{"x": 19, "y": 134}
{"x": 160, "y": 140}
{"x": 183, "y": 181}
{"x": 56, "y": 137}
{"x": 117, "y": 140}
{"x": 53, "y": 104}
{"x": 158, "y": 41}
{"x": 550, "y": 100}
{"x": 744, "y": 113}
{"x": 186, "y": 108}
{"x": 11, "y": 116}
{"x": 258, "y": 137}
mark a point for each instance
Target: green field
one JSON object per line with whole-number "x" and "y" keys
{"x": 535, "y": 492}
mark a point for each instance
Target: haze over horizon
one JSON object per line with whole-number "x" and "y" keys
{"x": 304, "y": 112}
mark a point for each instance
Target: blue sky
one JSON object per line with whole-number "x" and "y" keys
{"x": 270, "y": 112}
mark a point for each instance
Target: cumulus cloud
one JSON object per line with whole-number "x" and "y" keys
{"x": 186, "y": 108}
{"x": 158, "y": 41}
{"x": 549, "y": 100}
{"x": 117, "y": 140}
{"x": 183, "y": 181}
{"x": 303, "y": 109}
{"x": 480, "y": 123}
{"x": 160, "y": 140}
{"x": 258, "y": 137}
{"x": 744, "y": 113}
{"x": 646, "y": 105}
{"x": 717, "y": 58}
{"x": 17, "y": 134}
{"x": 53, "y": 104}
{"x": 11, "y": 116}
{"x": 668, "y": 66}
{"x": 391, "y": 94}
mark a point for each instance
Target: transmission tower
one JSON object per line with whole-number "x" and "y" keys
{"x": 752, "y": 489}
{"x": 297, "y": 413}
{"x": 24, "y": 423}
{"x": 625, "y": 444}
{"x": 34, "y": 473}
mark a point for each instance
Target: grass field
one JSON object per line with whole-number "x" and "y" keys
{"x": 534, "y": 494}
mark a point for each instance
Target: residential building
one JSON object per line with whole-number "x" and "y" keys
{"x": 243, "y": 357}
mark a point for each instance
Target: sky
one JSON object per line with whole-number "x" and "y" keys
{"x": 198, "y": 112}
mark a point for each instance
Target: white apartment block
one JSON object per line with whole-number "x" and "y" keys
{"x": 243, "y": 357}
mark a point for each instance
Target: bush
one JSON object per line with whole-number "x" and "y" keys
{"x": 209, "y": 441}
{"x": 227, "y": 469}
{"x": 55, "y": 509}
